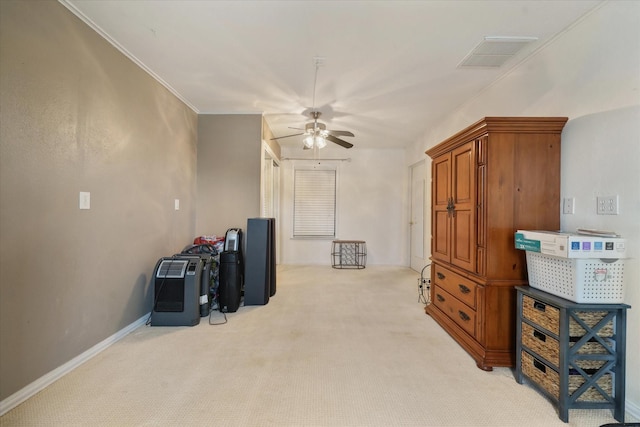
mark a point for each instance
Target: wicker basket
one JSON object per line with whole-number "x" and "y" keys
{"x": 594, "y": 347}
{"x": 541, "y": 314}
{"x": 549, "y": 379}
{"x": 542, "y": 344}
{"x": 605, "y": 382}
{"x": 591, "y": 318}
{"x": 541, "y": 374}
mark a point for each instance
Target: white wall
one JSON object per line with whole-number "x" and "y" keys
{"x": 372, "y": 205}
{"x": 591, "y": 74}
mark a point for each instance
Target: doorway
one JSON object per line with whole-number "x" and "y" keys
{"x": 270, "y": 191}
{"x": 417, "y": 217}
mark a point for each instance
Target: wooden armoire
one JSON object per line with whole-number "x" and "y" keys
{"x": 489, "y": 180}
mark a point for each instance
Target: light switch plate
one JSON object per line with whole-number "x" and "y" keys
{"x": 85, "y": 200}
{"x": 569, "y": 206}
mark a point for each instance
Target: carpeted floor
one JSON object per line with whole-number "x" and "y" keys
{"x": 332, "y": 348}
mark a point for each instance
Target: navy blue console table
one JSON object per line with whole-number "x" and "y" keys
{"x": 574, "y": 353}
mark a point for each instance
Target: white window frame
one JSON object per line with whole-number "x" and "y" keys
{"x": 317, "y": 166}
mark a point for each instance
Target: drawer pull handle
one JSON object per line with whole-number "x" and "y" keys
{"x": 464, "y": 316}
{"x": 542, "y": 337}
{"x": 440, "y": 298}
{"x": 440, "y": 275}
{"x": 464, "y": 289}
{"x": 540, "y": 366}
{"x": 539, "y": 306}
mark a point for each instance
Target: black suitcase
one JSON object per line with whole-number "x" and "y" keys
{"x": 230, "y": 276}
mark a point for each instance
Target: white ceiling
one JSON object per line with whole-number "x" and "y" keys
{"x": 390, "y": 67}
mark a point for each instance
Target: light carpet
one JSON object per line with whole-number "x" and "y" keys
{"x": 331, "y": 348}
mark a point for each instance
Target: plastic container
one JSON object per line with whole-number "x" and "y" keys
{"x": 595, "y": 281}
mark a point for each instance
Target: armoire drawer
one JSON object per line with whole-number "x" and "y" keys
{"x": 458, "y": 286}
{"x": 455, "y": 310}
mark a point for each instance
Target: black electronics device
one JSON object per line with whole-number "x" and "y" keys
{"x": 230, "y": 287}
{"x": 260, "y": 261}
{"x": 231, "y": 272}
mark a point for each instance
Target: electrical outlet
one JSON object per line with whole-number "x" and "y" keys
{"x": 607, "y": 205}
{"x": 569, "y": 206}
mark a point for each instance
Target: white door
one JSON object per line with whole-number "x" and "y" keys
{"x": 416, "y": 223}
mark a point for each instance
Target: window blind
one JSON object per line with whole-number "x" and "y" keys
{"x": 314, "y": 199}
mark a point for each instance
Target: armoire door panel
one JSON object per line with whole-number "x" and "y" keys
{"x": 463, "y": 174}
{"x": 463, "y": 249}
{"x": 441, "y": 181}
{"x": 440, "y": 233}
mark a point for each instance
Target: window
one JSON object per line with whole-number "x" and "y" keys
{"x": 314, "y": 203}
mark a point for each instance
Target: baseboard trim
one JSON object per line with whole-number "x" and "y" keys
{"x": 25, "y": 393}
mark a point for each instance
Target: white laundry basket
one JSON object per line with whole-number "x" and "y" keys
{"x": 588, "y": 280}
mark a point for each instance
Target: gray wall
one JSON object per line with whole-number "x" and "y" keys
{"x": 229, "y": 153}
{"x": 76, "y": 115}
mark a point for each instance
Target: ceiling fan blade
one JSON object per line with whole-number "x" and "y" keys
{"x": 340, "y": 142}
{"x": 286, "y": 136}
{"x": 340, "y": 133}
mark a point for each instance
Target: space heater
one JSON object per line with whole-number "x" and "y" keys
{"x": 178, "y": 290}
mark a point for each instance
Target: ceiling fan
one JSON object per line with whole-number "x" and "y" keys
{"x": 316, "y": 133}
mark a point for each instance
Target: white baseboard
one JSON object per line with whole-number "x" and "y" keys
{"x": 21, "y": 395}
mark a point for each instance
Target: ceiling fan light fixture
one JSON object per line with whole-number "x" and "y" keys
{"x": 308, "y": 141}
{"x": 316, "y": 135}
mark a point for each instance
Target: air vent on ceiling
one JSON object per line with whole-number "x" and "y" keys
{"x": 493, "y": 52}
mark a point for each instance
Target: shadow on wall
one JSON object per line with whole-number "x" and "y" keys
{"x": 141, "y": 293}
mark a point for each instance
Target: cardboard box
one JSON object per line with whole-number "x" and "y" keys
{"x": 571, "y": 245}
